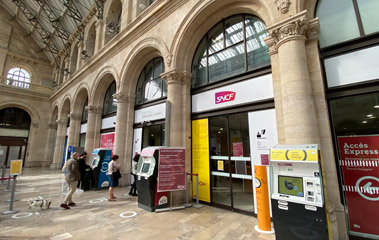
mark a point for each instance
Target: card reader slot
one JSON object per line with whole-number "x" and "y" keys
{"x": 280, "y": 202}
{"x": 283, "y": 207}
{"x": 310, "y": 208}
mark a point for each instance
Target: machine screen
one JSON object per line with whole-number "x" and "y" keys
{"x": 291, "y": 186}
{"x": 145, "y": 168}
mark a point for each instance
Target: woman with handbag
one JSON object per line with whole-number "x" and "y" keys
{"x": 113, "y": 176}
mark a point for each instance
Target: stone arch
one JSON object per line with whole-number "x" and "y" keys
{"x": 103, "y": 80}
{"x": 54, "y": 114}
{"x": 310, "y": 6}
{"x": 112, "y": 10}
{"x": 139, "y": 56}
{"x": 90, "y": 37}
{"x": 203, "y": 17}
{"x": 65, "y": 108}
{"x": 80, "y": 97}
{"x": 73, "y": 57}
{"x": 34, "y": 116}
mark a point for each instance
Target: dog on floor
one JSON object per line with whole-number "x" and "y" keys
{"x": 41, "y": 203}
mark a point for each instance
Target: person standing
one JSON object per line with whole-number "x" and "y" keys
{"x": 133, "y": 190}
{"x": 82, "y": 169}
{"x": 72, "y": 178}
{"x": 113, "y": 182}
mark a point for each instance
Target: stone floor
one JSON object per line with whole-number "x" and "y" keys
{"x": 96, "y": 218}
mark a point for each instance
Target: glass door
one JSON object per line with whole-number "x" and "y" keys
{"x": 230, "y": 162}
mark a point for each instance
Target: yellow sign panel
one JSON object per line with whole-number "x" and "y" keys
{"x": 220, "y": 165}
{"x": 294, "y": 155}
{"x": 200, "y": 158}
{"x": 16, "y": 167}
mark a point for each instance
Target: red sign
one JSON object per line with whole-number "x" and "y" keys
{"x": 237, "y": 149}
{"x": 360, "y": 166}
{"x": 171, "y": 170}
{"x": 225, "y": 96}
{"x": 148, "y": 152}
{"x": 107, "y": 140}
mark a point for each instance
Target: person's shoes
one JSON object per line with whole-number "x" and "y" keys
{"x": 111, "y": 200}
{"x": 72, "y": 204}
{"x": 135, "y": 195}
{"x": 65, "y": 206}
{"x": 114, "y": 197}
{"x": 130, "y": 194}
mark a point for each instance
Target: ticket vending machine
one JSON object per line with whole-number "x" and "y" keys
{"x": 147, "y": 173}
{"x": 99, "y": 163}
{"x": 297, "y": 193}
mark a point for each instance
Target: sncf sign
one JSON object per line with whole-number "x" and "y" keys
{"x": 225, "y": 96}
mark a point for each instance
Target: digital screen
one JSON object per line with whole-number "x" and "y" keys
{"x": 291, "y": 186}
{"x": 145, "y": 167}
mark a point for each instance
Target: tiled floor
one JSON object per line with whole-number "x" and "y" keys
{"x": 96, "y": 218}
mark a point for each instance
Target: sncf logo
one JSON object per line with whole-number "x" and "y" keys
{"x": 225, "y": 96}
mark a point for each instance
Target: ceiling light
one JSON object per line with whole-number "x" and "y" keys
{"x": 376, "y": 106}
{"x": 369, "y": 115}
{"x": 364, "y": 121}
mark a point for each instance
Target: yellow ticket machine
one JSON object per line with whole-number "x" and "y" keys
{"x": 297, "y": 193}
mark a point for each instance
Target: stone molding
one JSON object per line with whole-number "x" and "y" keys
{"x": 35, "y": 125}
{"x": 177, "y": 77}
{"x": 293, "y": 28}
{"x": 94, "y": 109}
{"x": 124, "y": 98}
{"x": 53, "y": 125}
{"x": 61, "y": 121}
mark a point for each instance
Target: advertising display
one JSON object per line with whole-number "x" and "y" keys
{"x": 99, "y": 161}
{"x": 171, "y": 170}
{"x": 200, "y": 158}
{"x": 107, "y": 140}
{"x": 359, "y": 161}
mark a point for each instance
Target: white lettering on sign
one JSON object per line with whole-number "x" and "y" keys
{"x": 225, "y": 96}
{"x": 358, "y": 148}
{"x": 367, "y": 189}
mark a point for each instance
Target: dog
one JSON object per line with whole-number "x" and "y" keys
{"x": 42, "y": 203}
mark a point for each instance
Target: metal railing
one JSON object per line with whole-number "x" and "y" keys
{"x": 31, "y": 87}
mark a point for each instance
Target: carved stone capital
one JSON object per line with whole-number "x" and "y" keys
{"x": 176, "y": 77}
{"x": 283, "y": 5}
{"x": 120, "y": 97}
{"x": 35, "y": 125}
{"x": 74, "y": 117}
{"x": 168, "y": 60}
{"x": 295, "y": 27}
{"x": 94, "y": 109}
{"x": 52, "y": 125}
{"x": 61, "y": 121}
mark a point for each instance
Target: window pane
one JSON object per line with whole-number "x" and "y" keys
{"x": 164, "y": 88}
{"x": 157, "y": 67}
{"x": 330, "y": 14}
{"x": 227, "y": 63}
{"x": 216, "y": 39}
{"x": 139, "y": 93}
{"x": 233, "y": 30}
{"x": 257, "y": 50}
{"x": 153, "y": 90}
{"x": 199, "y": 65}
{"x": 110, "y": 104}
{"x": 149, "y": 71}
{"x": 369, "y": 15}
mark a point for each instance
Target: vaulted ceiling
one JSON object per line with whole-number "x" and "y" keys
{"x": 53, "y": 24}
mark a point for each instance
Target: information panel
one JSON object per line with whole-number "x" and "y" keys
{"x": 16, "y": 167}
{"x": 360, "y": 167}
{"x": 200, "y": 158}
{"x": 171, "y": 170}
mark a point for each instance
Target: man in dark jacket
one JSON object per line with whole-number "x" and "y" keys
{"x": 72, "y": 178}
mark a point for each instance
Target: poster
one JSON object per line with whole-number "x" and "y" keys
{"x": 359, "y": 161}
{"x": 237, "y": 149}
{"x": 107, "y": 140}
{"x": 200, "y": 159}
{"x": 171, "y": 170}
{"x": 16, "y": 167}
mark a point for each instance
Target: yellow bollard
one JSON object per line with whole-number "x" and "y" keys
{"x": 263, "y": 206}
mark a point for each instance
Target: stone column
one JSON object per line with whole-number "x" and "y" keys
{"x": 121, "y": 145}
{"x": 125, "y": 13}
{"x": 66, "y": 75}
{"x": 287, "y": 40}
{"x": 93, "y": 128}
{"x": 31, "y": 153}
{"x": 50, "y": 143}
{"x": 100, "y": 35}
{"x": 178, "y": 94}
{"x": 81, "y": 47}
{"x": 300, "y": 104}
{"x": 74, "y": 131}
{"x": 59, "y": 144}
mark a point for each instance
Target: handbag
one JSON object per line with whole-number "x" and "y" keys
{"x": 116, "y": 174}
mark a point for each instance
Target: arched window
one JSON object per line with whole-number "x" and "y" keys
{"x": 110, "y": 104}
{"x": 233, "y": 46}
{"x": 150, "y": 84}
{"x": 18, "y": 77}
{"x": 359, "y": 18}
{"x": 85, "y": 112}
